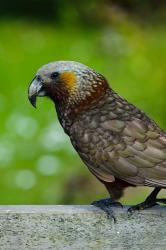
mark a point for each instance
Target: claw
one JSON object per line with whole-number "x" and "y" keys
{"x": 149, "y": 202}
{"x": 105, "y": 205}
{"x": 141, "y": 206}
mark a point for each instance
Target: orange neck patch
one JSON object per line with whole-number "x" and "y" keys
{"x": 69, "y": 79}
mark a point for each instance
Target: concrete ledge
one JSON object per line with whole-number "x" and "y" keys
{"x": 80, "y": 227}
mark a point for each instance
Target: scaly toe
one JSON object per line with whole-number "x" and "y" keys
{"x": 107, "y": 202}
{"x": 105, "y": 205}
{"x": 161, "y": 201}
{"x": 141, "y": 206}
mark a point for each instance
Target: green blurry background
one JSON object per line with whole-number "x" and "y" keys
{"x": 124, "y": 40}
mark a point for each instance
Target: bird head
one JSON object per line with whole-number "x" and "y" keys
{"x": 67, "y": 83}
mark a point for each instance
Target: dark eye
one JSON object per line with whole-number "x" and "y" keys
{"x": 54, "y": 75}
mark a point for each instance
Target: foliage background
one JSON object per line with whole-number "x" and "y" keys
{"x": 123, "y": 40}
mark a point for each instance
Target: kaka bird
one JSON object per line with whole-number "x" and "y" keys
{"x": 118, "y": 142}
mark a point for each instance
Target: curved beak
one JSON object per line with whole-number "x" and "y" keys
{"x": 35, "y": 90}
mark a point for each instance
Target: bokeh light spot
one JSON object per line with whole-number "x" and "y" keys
{"x": 6, "y": 153}
{"x": 25, "y": 179}
{"x": 54, "y": 139}
{"x": 48, "y": 165}
{"x": 22, "y": 125}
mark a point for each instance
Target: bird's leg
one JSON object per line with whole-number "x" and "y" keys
{"x": 149, "y": 202}
{"x": 106, "y": 204}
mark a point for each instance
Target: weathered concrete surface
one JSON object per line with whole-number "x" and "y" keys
{"x": 80, "y": 227}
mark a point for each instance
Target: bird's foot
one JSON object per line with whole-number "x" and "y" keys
{"x": 106, "y": 205}
{"x": 150, "y": 201}
{"x": 161, "y": 201}
{"x": 144, "y": 205}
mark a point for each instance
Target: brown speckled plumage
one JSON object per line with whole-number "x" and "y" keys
{"x": 119, "y": 143}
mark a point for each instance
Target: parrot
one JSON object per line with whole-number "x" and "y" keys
{"x": 120, "y": 145}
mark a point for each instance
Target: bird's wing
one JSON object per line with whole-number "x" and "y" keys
{"x": 102, "y": 173}
{"x": 139, "y": 156}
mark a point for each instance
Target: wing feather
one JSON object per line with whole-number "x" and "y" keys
{"x": 144, "y": 156}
